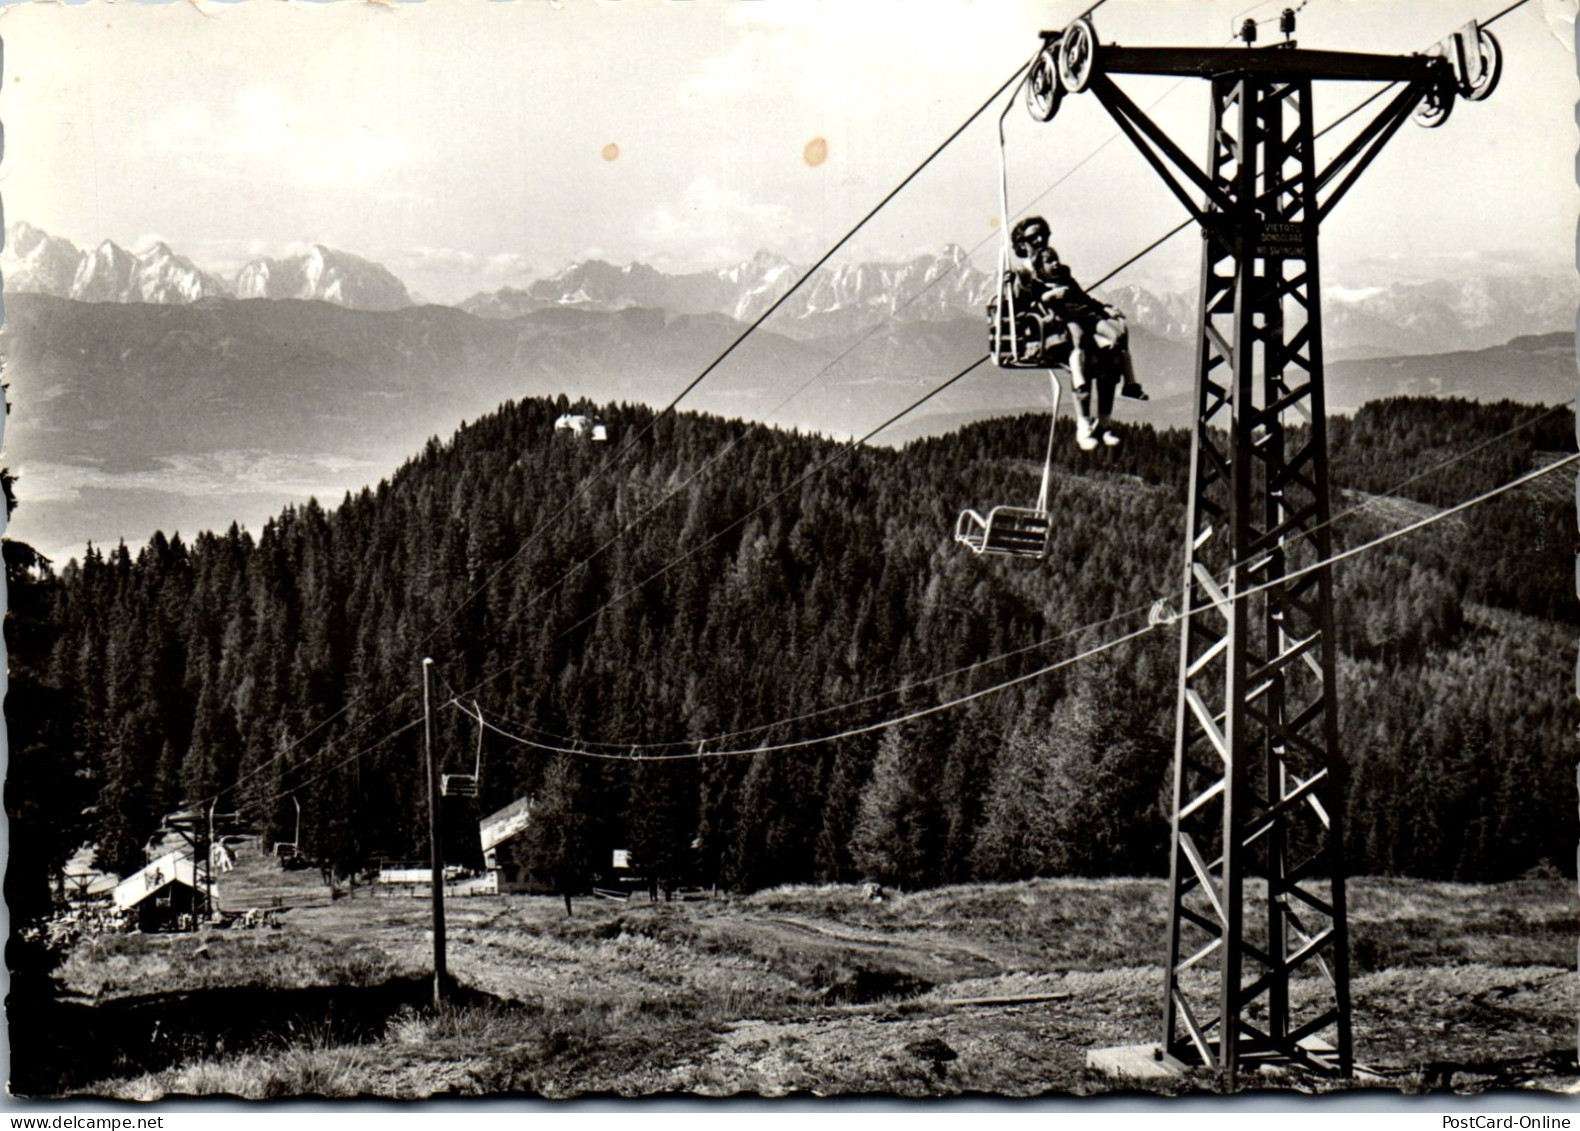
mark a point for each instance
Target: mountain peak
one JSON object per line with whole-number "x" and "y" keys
{"x": 324, "y": 274}
{"x": 34, "y": 260}
{"x": 109, "y": 273}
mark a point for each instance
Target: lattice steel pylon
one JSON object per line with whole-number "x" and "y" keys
{"x": 1258, "y": 951}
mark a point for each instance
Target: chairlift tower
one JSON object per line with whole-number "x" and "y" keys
{"x": 1258, "y": 950}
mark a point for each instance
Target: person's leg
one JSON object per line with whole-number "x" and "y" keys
{"x": 1113, "y": 334}
{"x": 1077, "y": 356}
{"x": 1131, "y": 390}
{"x": 1106, "y": 383}
{"x": 1106, "y": 387}
{"x": 1085, "y": 426}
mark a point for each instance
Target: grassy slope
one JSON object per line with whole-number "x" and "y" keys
{"x": 820, "y": 990}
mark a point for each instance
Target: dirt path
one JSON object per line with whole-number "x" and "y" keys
{"x": 947, "y": 958}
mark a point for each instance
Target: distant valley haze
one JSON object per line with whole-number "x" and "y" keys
{"x": 151, "y": 394}
{"x": 309, "y": 243}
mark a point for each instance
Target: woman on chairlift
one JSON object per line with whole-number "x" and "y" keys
{"x": 1099, "y": 339}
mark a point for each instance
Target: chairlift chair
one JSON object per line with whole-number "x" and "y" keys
{"x": 1012, "y": 531}
{"x": 287, "y": 849}
{"x": 465, "y": 785}
{"x": 1020, "y": 339}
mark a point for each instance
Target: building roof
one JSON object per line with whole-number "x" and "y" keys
{"x": 173, "y": 867}
{"x": 496, "y": 828}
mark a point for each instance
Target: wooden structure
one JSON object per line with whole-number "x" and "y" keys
{"x": 161, "y": 894}
{"x": 499, "y": 834}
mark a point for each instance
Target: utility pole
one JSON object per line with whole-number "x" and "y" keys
{"x": 208, "y": 861}
{"x": 435, "y": 841}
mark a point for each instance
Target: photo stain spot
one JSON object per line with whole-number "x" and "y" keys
{"x": 816, "y": 152}
{"x": 993, "y": 222}
{"x": 611, "y": 151}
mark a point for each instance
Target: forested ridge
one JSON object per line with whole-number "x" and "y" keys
{"x": 146, "y": 679}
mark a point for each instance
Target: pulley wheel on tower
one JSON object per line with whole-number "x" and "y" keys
{"x": 1481, "y": 85}
{"x": 1077, "y": 55}
{"x": 1043, "y": 92}
{"x": 1435, "y": 106}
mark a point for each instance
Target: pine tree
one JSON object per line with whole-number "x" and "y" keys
{"x": 557, "y": 841}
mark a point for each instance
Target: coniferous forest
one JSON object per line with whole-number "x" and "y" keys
{"x": 282, "y": 663}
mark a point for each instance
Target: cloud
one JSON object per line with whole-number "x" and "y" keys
{"x": 712, "y": 224}
{"x": 447, "y": 274}
{"x": 843, "y": 52}
{"x": 782, "y": 61}
{"x": 146, "y": 242}
{"x": 261, "y": 130}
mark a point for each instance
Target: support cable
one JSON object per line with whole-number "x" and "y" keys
{"x": 1370, "y": 501}
{"x": 1013, "y": 85}
{"x": 366, "y": 750}
{"x": 617, "y": 456}
{"x": 872, "y": 331}
{"x": 1506, "y": 11}
{"x": 1419, "y": 524}
{"x": 827, "y": 368}
{"x": 843, "y": 452}
{"x": 798, "y": 744}
{"x": 630, "y": 444}
{"x": 477, "y": 713}
{"x": 268, "y": 762}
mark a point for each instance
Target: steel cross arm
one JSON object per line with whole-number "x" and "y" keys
{"x": 1135, "y": 123}
{"x": 1275, "y": 63}
{"x": 1368, "y": 143}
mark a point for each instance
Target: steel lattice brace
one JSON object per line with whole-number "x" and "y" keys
{"x": 1258, "y": 952}
{"x": 1257, "y": 887}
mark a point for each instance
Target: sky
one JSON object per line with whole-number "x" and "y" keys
{"x": 469, "y": 145}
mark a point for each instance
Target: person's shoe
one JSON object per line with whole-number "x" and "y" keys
{"x": 1086, "y": 435}
{"x": 1133, "y": 391}
{"x": 1109, "y": 437}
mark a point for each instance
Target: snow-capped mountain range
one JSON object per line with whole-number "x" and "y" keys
{"x": 37, "y": 262}
{"x": 326, "y": 275}
{"x": 1473, "y": 312}
{"x": 927, "y": 287}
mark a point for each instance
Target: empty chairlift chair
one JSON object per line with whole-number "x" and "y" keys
{"x": 1020, "y": 532}
{"x": 465, "y": 785}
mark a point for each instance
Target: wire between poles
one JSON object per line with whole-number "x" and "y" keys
{"x": 853, "y": 732}
{"x": 909, "y": 685}
{"x": 617, "y": 456}
{"x": 869, "y": 728}
{"x": 1506, "y": 11}
{"x": 631, "y": 443}
{"x": 366, "y": 750}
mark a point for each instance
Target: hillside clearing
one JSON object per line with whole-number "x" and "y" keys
{"x": 995, "y": 989}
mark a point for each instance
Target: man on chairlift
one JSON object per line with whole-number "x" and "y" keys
{"x": 1099, "y": 338}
